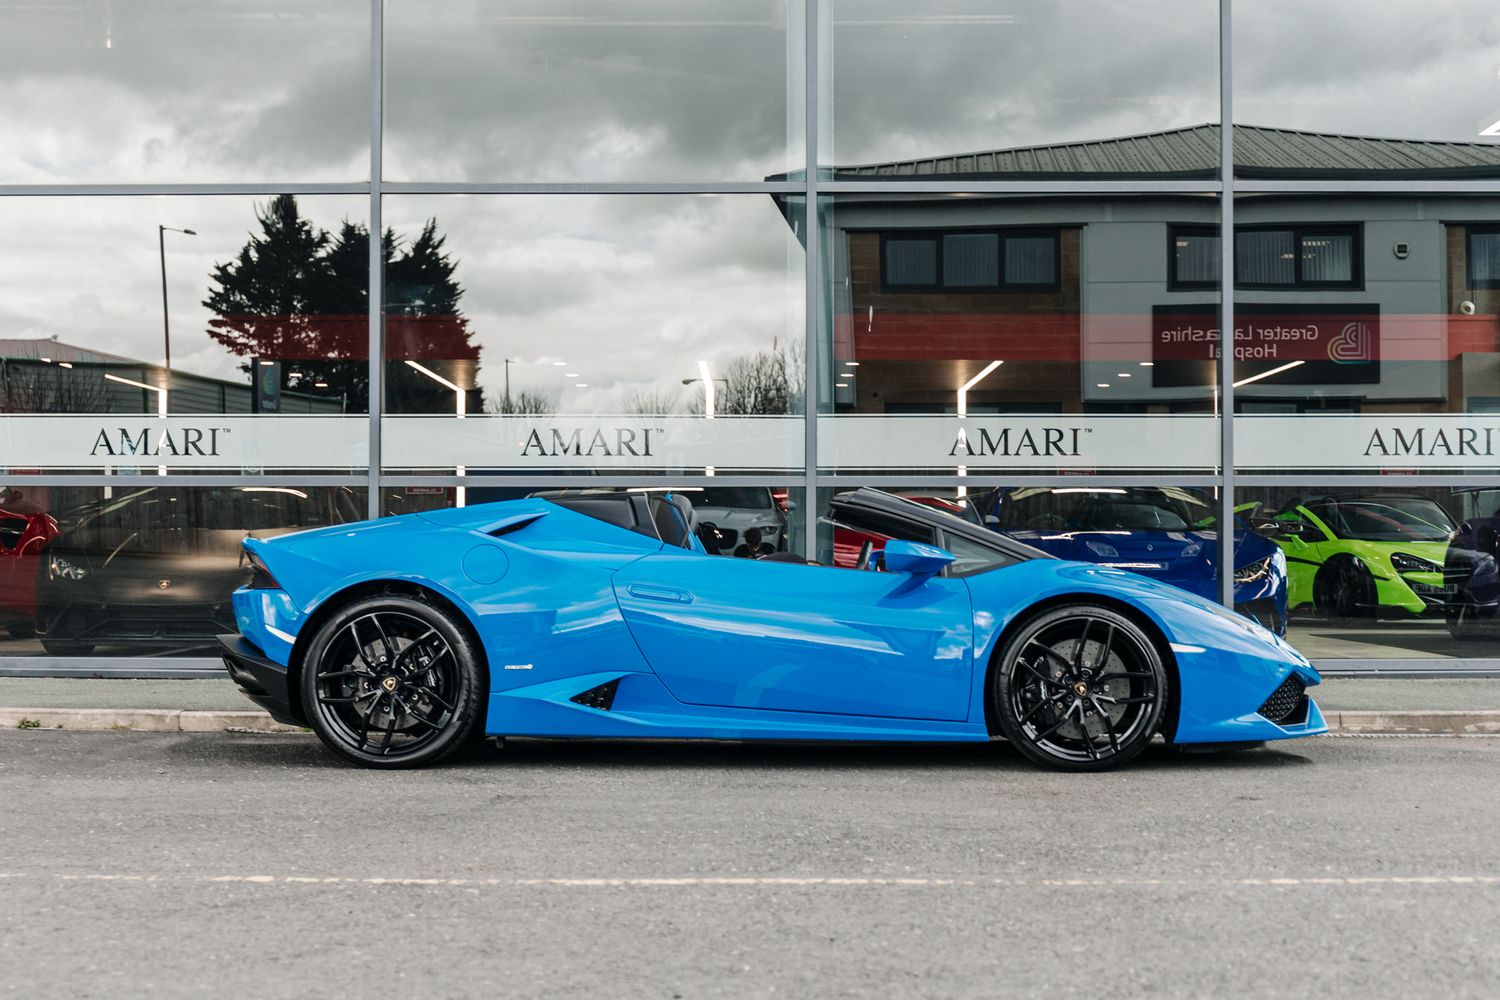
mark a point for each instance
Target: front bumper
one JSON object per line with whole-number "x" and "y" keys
{"x": 262, "y": 680}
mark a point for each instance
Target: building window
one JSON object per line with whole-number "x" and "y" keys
{"x": 1484, "y": 258}
{"x": 1193, "y": 257}
{"x": 1271, "y": 257}
{"x": 1025, "y": 260}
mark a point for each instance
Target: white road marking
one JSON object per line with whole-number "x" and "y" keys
{"x": 768, "y": 881}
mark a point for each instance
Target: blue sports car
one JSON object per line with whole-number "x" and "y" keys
{"x": 1167, "y": 533}
{"x": 602, "y": 616}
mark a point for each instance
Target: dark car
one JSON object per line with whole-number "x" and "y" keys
{"x": 155, "y": 566}
{"x": 1471, "y": 569}
{"x": 1166, "y": 533}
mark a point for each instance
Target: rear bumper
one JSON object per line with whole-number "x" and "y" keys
{"x": 262, "y": 680}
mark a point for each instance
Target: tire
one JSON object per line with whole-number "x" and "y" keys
{"x": 392, "y": 681}
{"x": 21, "y": 630}
{"x": 63, "y": 647}
{"x": 1087, "y": 660}
{"x": 1458, "y": 614}
{"x": 1344, "y": 591}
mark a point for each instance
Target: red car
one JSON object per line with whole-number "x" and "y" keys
{"x": 23, "y": 538}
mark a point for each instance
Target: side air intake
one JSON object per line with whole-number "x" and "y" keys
{"x": 1285, "y": 701}
{"x": 601, "y": 697}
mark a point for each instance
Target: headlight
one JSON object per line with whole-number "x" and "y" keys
{"x": 1411, "y": 564}
{"x": 59, "y": 568}
{"x": 1104, "y": 549}
{"x": 1251, "y": 572}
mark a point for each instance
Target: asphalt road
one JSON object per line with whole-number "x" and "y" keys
{"x": 232, "y": 865}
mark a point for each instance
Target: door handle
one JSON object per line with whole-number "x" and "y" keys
{"x": 646, "y": 593}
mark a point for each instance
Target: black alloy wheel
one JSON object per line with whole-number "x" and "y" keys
{"x": 392, "y": 681}
{"x": 1460, "y": 615}
{"x": 1080, "y": 688}
{"x": 1344, "y": 590}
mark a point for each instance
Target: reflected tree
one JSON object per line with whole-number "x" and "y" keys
{"x": 531, "y": 402}
{"x": 766, "y": 383}
{"x": 652, "y": 401}
{"x": 298, "y": 296}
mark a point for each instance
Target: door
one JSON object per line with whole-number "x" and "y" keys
{"x": 747, "y": 633}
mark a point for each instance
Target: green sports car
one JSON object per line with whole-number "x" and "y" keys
{"x": 1358, "y": 557}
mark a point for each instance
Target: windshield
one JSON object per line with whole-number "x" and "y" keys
{"x": 1401, "y": 519}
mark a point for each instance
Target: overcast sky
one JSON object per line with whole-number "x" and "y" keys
{"x": 648, "y": 90}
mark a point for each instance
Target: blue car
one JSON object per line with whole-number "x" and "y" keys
{"x": 1166, "y": 533}
{"x": 602, "y": 616}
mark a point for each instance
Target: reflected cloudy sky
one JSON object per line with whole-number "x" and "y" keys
{"x": 646, "y": 90}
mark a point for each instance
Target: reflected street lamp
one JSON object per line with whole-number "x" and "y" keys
{"x": 166, "y": 327}
{"x": 161, "y": 400}
{"x": 460, "y": 493}
{"x": 708, "y": 381}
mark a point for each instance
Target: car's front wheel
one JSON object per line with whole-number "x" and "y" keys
{"x": 392, "y": 681}
{"x": 1080, "y": 688}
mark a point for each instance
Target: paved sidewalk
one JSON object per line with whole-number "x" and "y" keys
{"x": 1352, "y": 705}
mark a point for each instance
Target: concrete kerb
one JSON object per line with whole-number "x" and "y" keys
{"x": 145, "y": 720}
{"x": 159, "y": 720}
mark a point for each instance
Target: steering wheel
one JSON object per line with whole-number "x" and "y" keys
{"x": 866, "y": 550}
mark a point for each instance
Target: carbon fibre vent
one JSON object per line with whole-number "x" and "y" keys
{"x": 601, "y": 697}
{"x": 1284, "y": 701}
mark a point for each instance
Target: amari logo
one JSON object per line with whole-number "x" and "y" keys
{"x": 605, "y": 442}
{"x": 1430, "y": 442}
{"x": 181, "y": 442}
{"x": 1026, "y": 442}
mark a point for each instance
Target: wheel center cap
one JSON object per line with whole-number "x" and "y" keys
{"x": 1080, "y": 689}
{"x": 389, "y": 683}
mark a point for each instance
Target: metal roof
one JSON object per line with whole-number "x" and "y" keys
{"x": 38, "y": 348}
{"x": 1193, "y": 153}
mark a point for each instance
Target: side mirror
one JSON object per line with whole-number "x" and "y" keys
{"x": 915, "y": 558}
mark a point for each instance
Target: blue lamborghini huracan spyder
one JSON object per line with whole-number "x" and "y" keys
{"x": 601, "y": 614}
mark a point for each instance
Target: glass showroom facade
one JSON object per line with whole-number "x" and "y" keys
{"x": 762, "y": 251}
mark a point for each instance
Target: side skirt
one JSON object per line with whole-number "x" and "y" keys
{"x": 641, "y": 707}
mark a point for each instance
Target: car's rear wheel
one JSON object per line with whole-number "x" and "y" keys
{"x": 1080, "y": 688}
{"x": 392, "y": 681}
{"x": 1344, "y": 590}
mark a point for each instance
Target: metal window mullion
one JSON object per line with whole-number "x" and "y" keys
{"x": 188, "y": 190}
{"x": 1226, "y": 304}
{"x": 375, "y": 296}
{"x": 812, "y": 272}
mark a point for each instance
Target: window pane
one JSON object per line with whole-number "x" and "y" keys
{"x": 969, "y": 88}
{"x": 184, "y": 91}
{"x": 138, "y": 571}
{"x": 1395, "y": 373}
{"x": 593, "y": 90}
{"x": 911, "y": 262}
{"x": 1265, "y": 258}
{"x": 1196, "y": 258}
{"x": 1030, "y": 260}
{"x": 971, "y": 259}
{"x": 599, "y": 333}
{"x": 1356, "y": 90}
{"x": 1383, "y": 572}
{"x": 1083, "y": 360}
{"x": 1484, "y": 259}
{"x": 265, "y": 323}
{"x": 1327, "y": 257}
